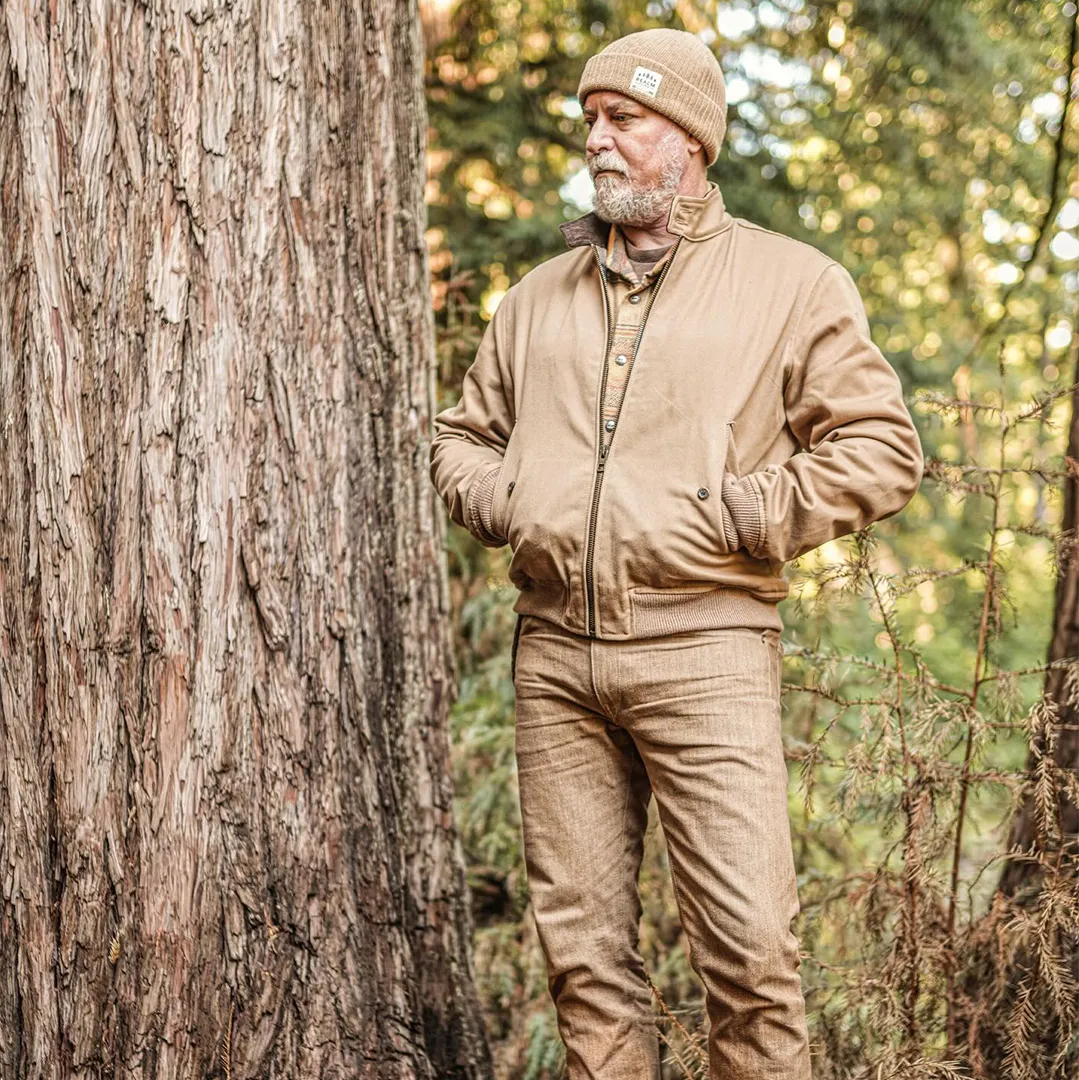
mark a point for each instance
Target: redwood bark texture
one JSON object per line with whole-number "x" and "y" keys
{"x": 226, "y": 836}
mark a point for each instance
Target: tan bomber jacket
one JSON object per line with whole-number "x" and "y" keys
{"x": 759, "y": 421}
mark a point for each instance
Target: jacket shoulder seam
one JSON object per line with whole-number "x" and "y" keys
{"x": 807, "y": 291}
{"x": 803, "y": 303}
{"x": 745, "y": 223}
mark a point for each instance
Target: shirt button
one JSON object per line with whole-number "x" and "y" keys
{"x": 702, "y": 493}
{"x": 635, "y": 298}
{"x": 620, "y": 360}
{"x": 609, "y": 425}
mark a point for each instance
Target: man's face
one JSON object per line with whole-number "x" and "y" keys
{"x": 636, "y": 158}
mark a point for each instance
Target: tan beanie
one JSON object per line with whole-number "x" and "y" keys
{"x": 670, "y": 71}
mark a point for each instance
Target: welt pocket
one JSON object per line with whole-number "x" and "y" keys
{"x": 731, "y": 462}
{"x": 500, "y": 506}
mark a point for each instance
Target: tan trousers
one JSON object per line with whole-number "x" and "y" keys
{"x": 695, "y": 719}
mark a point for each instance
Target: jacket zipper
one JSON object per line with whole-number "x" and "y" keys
{"x": 597, "y": 484}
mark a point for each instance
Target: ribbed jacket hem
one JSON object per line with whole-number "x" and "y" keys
{"x": 669, "y": 611}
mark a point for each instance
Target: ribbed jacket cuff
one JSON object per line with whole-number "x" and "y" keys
{"x": 743, "y": 511}
{"x": 481, "y": 499}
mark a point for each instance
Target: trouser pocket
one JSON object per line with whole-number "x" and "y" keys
{"x": 513, "y": 651}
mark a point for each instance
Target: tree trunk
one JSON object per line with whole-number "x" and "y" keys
{"x": 226, "y": 836}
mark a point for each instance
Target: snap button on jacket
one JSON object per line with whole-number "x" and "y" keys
{"x": 755, "y": 379}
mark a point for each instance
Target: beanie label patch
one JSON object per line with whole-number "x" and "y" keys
{"x": 645, "y": 81}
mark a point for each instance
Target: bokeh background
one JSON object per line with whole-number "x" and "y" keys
{"x": 931, "y": 147}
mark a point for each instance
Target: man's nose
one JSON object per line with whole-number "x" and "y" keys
{"x": 599, "y": 137}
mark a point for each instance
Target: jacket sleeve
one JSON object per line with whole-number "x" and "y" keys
{"x": 470, "y": 438}
{"x": 862, "y": 458}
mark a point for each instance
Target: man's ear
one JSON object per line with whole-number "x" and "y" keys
{"x": 693, "y": 144}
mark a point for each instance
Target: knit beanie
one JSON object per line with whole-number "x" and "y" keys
{"x": 672, "y": 72}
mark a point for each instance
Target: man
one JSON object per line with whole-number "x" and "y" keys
{"x": 656, "y": 421}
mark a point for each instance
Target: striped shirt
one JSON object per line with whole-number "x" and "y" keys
{"x": 629, "y": 294}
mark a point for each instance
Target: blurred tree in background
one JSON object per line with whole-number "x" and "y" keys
{"x": 932, "y": 149}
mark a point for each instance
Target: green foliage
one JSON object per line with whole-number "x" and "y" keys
{"x": 545, "y": 1053}
{"x": 927, "y": 147}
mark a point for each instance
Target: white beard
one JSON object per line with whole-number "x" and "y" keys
{"x": 619, "y": 202}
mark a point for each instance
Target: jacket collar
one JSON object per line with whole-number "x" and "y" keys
{"x": 696, "y": 217}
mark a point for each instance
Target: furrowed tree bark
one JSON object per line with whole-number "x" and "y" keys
{"x": 226, "y": 836}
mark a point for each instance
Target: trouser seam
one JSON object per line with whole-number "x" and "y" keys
{"x": 627, "y": 853}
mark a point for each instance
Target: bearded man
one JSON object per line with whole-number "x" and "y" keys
{"x": 656, "y": 421}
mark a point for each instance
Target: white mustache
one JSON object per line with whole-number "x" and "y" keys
{"x": 606, "y": 161}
